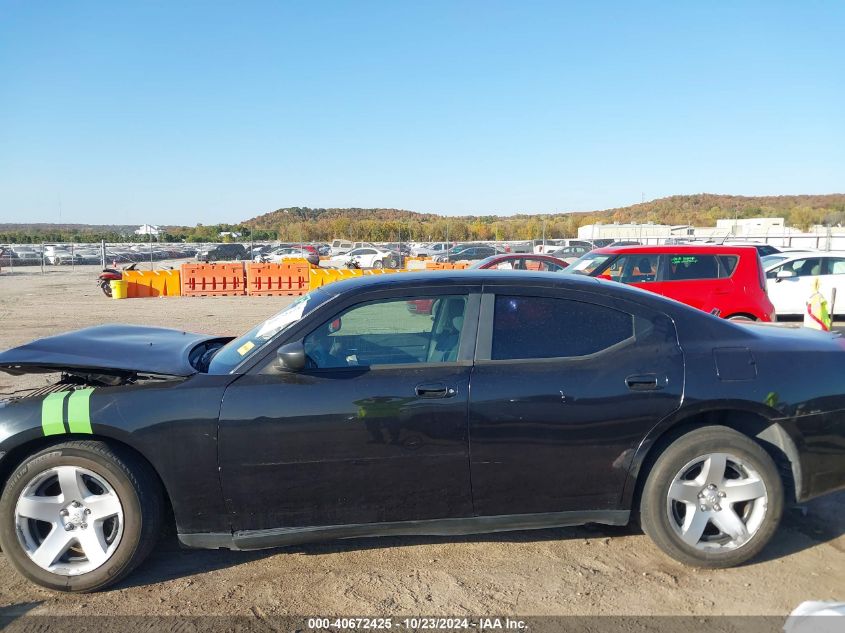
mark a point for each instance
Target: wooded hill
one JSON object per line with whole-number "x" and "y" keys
{"x": 302, "y": 223}
{"x": 306, "y": 224}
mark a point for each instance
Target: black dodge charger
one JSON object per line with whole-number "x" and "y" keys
{"x": 523, "y": 400}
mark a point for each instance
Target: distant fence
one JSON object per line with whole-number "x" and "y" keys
{"x": 56, "y": 256}
{"x": 814, "y": 241}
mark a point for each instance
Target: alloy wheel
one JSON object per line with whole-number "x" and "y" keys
{"x": 717, "y": 502}
{"x": 69, "y": 520}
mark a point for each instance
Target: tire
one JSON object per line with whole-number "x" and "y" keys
{"x": 99, "y": 474}
{"x": 378, "y": 264}
{"x": 740, "y": 317}
{"x": 724, "y": 529}
{"x": 106, "y": 286}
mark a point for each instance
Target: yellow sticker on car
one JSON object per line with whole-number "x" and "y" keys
{"x": 243, "y": 349}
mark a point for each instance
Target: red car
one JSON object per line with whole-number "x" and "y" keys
{"x": 506, "y": 261}
{"x": 420, "y": 306}
{"x": 724, "y": 280}
{"x": 522, "y": 261}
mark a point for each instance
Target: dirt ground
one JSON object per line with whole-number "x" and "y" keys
{"x": 579, "y": 571}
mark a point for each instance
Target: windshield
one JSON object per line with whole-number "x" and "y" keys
{"x": 238, "y": 350}
{"x": 771, "y": 260}
{"x": 587, "y": 263}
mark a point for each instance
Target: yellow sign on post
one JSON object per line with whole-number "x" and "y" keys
{"x": 817, "y": 316}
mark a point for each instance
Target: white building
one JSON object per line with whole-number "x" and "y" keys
{"x": 630, "y": 231}
{"x": 752, "y": 226}
{"x": 148, "y": 229}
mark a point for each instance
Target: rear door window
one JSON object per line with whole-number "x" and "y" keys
{"x": 547, "y": 327}
{"x": 835, "y": 266}
{"x": 693, "y": 266}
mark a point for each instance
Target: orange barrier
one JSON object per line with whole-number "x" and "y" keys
{"x": 447, "y": 265}
{"x": 383, "y": 271}
{"x": 221, "y": 279}
{"x": 322, "y": 276}
{"x": 285, "y": 279}
{"x": 152, "y": 283}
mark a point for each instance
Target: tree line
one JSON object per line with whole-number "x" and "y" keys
{"x": 295, "y": 224}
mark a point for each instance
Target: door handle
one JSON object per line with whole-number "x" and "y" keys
{"x": 434, "y": 390}
{"x": 642, "y": 382}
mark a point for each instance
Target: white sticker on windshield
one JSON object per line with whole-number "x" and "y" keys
{"x": 582, "y": 265}
{"x": 282, "y": 320}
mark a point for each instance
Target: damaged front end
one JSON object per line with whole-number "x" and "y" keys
{"x": 107, "y": 356}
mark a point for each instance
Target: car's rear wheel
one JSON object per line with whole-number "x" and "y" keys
{"x": 79, "y": 516}
{"x": 378, "y": 264}
{"x": 713, "y": 498}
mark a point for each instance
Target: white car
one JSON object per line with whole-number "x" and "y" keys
{"x": 342, "y": 247}
{"x": 430, "y": 250}
{"x": 547, "y": 247}
{"x": 369, "y": 257}
{"x": 790, "y": 282}
{"x": 279, "y": 255}
{"x": 775, "y": 258}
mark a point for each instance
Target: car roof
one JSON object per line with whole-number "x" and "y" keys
{"x": 504, "y": 256}
{"x": 791, "y": 257}
{"x": 678, "y": 248}
{"x": 458, "y": 277}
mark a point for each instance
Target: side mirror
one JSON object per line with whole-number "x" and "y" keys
{"x": 335, "y": 325}
{"x": 785, "y": 274}
{"x": 291, "y": 357}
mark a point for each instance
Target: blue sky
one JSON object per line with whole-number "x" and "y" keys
{"x": 186, "y": 112}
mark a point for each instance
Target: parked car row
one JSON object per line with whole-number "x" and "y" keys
{"x": 67, "y": 254}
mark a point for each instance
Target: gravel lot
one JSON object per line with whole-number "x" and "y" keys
{"x": 583, "y": 571}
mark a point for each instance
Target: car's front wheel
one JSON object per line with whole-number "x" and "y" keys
{"x": 79, "y": 516}
{"x": 713, "y": 498}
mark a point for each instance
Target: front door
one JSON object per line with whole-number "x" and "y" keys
{"x": 374, "y": 430}
{"x": 565, "y": 386}
{"x": 789, "y": 295}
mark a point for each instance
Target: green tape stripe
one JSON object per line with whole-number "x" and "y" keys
{"x": 79, "y": 411}
{"x": 52, "y": 413}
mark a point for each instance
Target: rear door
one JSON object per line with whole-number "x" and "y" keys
{"x": 565, "y": 386}
{"x": 700, "y": 280}
{"x": 833, "y": 282}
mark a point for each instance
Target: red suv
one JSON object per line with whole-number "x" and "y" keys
{"x": 724, "y": 280}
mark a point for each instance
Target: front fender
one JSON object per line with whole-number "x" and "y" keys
{"x": 171, "y": 424}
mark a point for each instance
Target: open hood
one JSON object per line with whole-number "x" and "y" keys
{"x": 115, "y": 350}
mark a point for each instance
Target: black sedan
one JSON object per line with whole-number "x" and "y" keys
{"x": 524, "y": 400}
{"x": 470, "y": 252}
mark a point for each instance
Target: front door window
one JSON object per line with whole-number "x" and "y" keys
{"x": 390, "y": 332}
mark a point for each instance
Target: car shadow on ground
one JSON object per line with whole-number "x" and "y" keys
{"x": 805, "y": 526}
